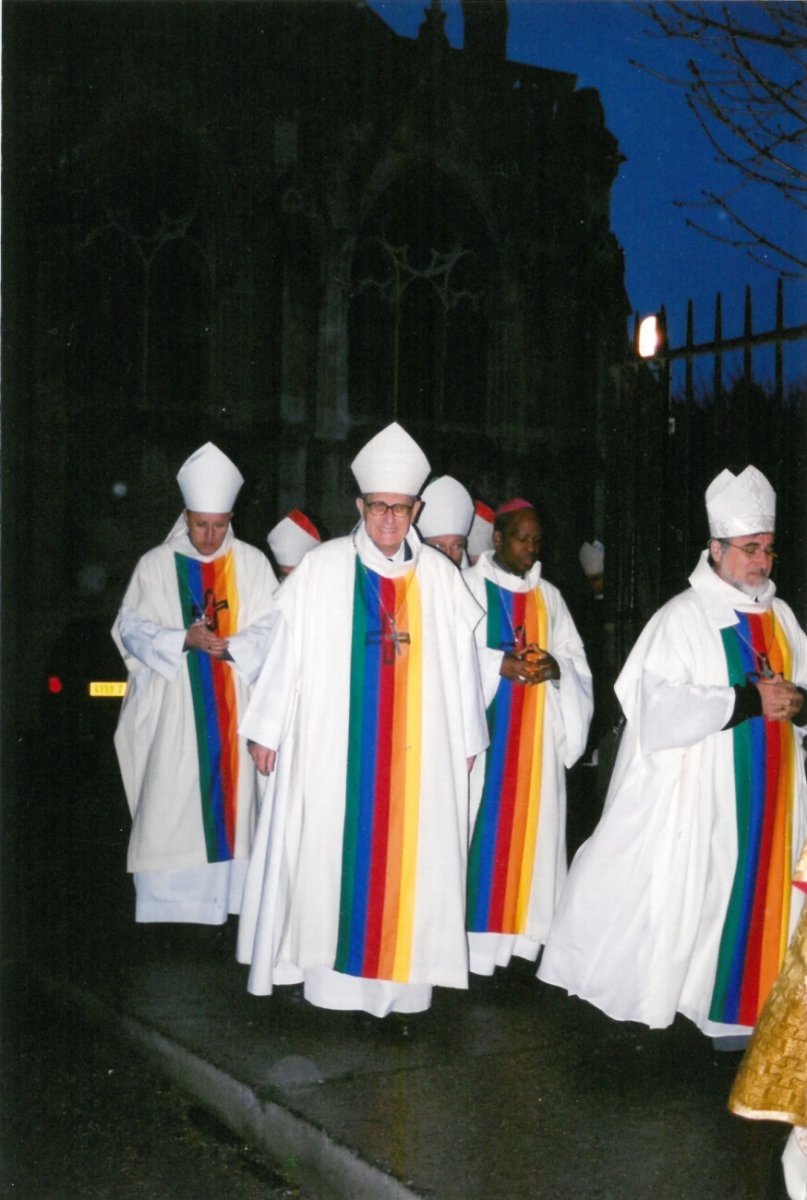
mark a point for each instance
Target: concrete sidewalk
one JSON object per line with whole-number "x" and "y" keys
{"x": 509, "y": 1090}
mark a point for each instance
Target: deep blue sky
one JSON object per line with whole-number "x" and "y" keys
{"x": 667, "y": 159}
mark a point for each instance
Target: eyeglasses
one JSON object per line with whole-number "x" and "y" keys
{"x": 379, "y": 508}
{"x": 751, "y": 549}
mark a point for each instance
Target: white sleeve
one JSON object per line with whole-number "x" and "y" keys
{"x": 473, "y": 704}
{"x": 680, "y": 714}
{"x": 248, "y": 647}
{"x": 270, "y": 712}
{"x": 159, "y": 649}
{"x": 573, "y": 693}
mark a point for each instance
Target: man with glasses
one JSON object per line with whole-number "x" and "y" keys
{"x": 681, "y": 901}
{"x": 366, "y": 718}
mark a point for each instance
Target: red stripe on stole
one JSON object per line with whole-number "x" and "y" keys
{"x": 507, "y": 799}
{"x": 752, "y": 981}
{"x": 227, "y": 717}
{"x": 214, "y": 578}
{"x": 378, "y": 853}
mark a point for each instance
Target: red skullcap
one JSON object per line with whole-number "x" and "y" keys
{"x": 513, "y": 506}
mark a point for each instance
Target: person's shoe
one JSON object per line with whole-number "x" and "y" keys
{"x": 794, "y": 1164}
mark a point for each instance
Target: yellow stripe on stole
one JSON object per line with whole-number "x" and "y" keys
{"x": 781, "y": 660}
{"x": 784, "y": 816}
{"x": 411, "y": 789}
{"x": 231, "y": 592}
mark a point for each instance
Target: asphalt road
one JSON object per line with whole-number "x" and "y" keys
{"x": 83, "y": 1118}
{"x": 82, "y": 1115}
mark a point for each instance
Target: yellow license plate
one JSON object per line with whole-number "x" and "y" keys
{"x": 102, "y": 688}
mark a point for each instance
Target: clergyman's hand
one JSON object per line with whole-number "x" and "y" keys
{"x": 781, "y": 699}
{"x": 546, "y": 667}
{"x": 519, "y": 669}
{"x": 529, "y": 666}
{"x": 201, "y": 637}
{"x": 263, "y": 757}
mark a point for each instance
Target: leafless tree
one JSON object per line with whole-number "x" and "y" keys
{"x": 746, "y": 86}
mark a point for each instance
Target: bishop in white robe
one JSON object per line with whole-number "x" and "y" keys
{"x": 538, "y": 693}
{"x": 681, "y": 899}
{"x": 193, "y": 629}
{"x": 367, "y": 712}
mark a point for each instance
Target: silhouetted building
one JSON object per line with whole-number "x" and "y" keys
{"x": 278, "y": 225}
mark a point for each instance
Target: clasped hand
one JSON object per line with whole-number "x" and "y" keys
{"x": 201, "y": 637}
{"x": 529, "y": 666}
{"x": 781, "y": 699}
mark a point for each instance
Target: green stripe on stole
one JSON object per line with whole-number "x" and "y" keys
{"x": 354, "y": 760}
{"x": 199, "y": 716}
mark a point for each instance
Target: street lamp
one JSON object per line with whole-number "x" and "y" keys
{"x": 652, "y": 346}
{"x": 650, "y": 336}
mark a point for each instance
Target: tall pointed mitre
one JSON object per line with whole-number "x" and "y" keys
{"x": 447, "y": 508}
{"x": 737, "y": 505}
{"x": 292, "y": 538}
{"x": 392, "y": 461}
{"x": 209, "y": 481}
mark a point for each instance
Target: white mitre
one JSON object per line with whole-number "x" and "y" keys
{"x": 209, "y": 481}
{"x": 592, "y": 558}
{"x": 391, "y": 462}
{"x": 737, "y": 505}
{"x": 447, "y": 508}
{"x": 480, "y": 537}
{"x": 292, "y": 538}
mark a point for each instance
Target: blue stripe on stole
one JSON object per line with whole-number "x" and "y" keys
{"x": 369, "y": 742}
{"x": 499, "y": 725}
{"x": 212, "y": 733}
{"x": 748, "y": 843}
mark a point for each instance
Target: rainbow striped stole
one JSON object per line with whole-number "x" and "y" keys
{"x": 755, "y": 931}
{"x": 209, "y": 589}
{"x": 502, "y": 853}
{"x": 382, "y": 797}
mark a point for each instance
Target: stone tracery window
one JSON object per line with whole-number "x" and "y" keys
{"x": 417, "y": 325}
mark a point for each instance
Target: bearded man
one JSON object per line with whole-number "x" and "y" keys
{"x": 681, "y": 900}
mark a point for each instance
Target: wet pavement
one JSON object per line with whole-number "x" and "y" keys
{"x": 510, "y": 1089}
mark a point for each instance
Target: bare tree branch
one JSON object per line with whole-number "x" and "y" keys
{"x": 745, "y": 85}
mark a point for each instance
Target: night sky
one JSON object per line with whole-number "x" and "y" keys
{"x": 668, "y": 159}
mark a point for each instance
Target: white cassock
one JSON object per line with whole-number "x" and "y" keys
{"x": 639, "y": 926}
{"x": 172, "y": 772}
{"x": 305, "y": 916}
{"x": 531, "y": 814}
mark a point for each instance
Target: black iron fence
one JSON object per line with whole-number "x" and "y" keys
{"x": 667, "y": 428}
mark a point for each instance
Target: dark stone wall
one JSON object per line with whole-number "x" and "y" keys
{"x": 278, "y": 225}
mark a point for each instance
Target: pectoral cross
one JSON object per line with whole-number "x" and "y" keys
{"x": 391, "y": 640}
{"x": 519, "y": 642}
{"x": 209, "y": 612}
